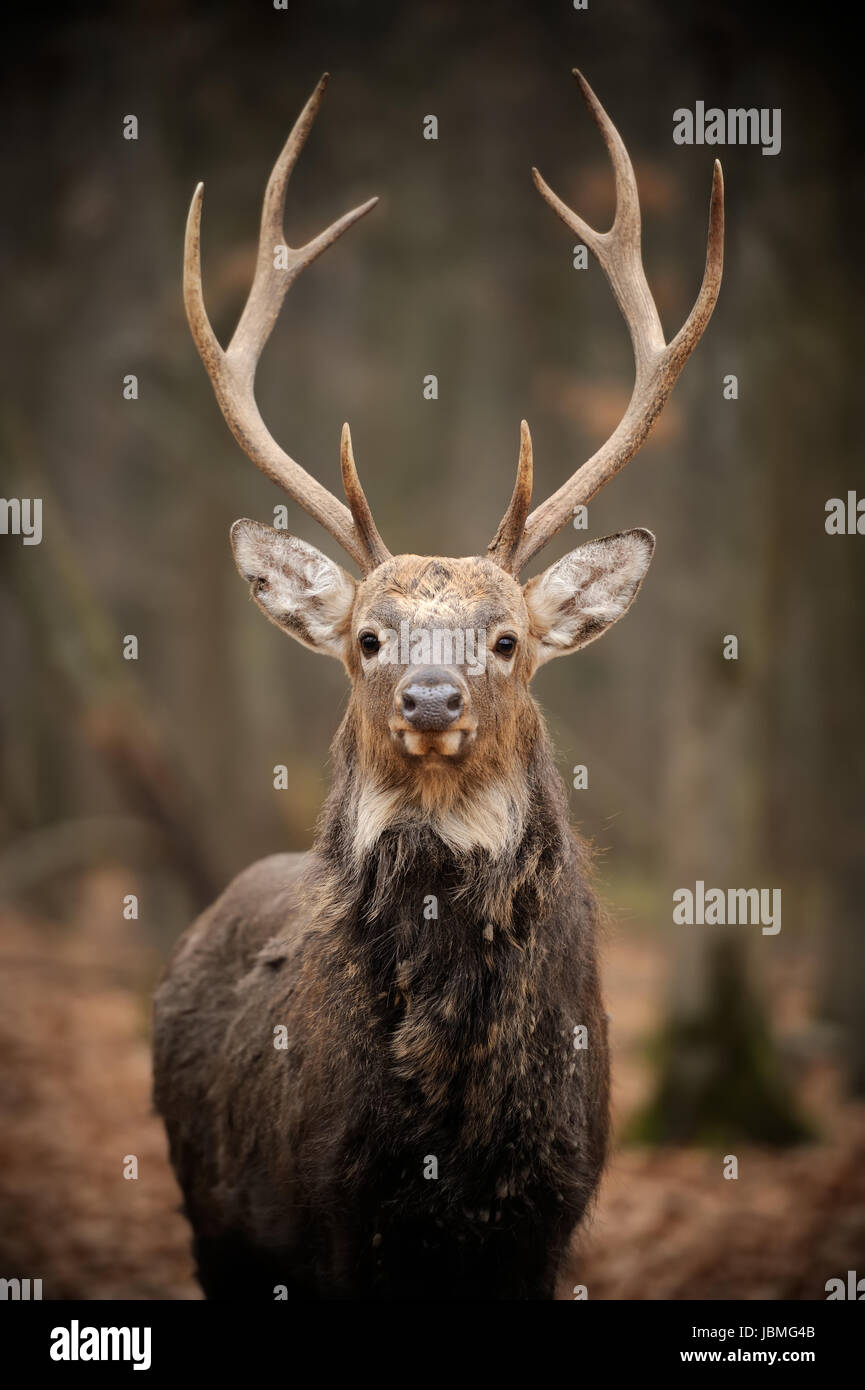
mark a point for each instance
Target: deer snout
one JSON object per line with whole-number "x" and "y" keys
{"x": 429, "y": 700}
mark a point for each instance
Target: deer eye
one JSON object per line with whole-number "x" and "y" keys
{"x": 369, "y": 643}
{"x": 506, "y": 646}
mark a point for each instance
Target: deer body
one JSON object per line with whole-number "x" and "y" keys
{"x": 429, "y": 1129}
{"x": 383, "y": 1065}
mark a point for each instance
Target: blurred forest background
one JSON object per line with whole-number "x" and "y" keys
{"x": 155, "y": 777}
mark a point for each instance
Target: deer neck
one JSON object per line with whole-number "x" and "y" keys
{"x": 487, "y": 853}
{"x": 443, "y": 949}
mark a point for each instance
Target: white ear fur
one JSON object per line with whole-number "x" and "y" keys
{"x": 574, "y": 601}
{"x": 295, "y": 585}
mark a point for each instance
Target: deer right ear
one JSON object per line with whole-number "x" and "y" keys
{"x": 295, "y": 586}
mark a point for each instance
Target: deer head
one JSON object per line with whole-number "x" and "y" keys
{"x": 440, "y": 652}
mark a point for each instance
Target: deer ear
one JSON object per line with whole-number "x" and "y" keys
{"x": 584, "y": 593}
{"x": 294, "y": 585}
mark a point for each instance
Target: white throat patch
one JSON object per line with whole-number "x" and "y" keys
{"x": 491, "y": 818}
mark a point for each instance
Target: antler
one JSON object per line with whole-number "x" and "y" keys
{"x": 505, "y": 544}
{"x": 232, "y": 371}
{"x": 658, "y": 363}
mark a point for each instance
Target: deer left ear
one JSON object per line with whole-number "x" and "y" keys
{"x": 580, "y": 596}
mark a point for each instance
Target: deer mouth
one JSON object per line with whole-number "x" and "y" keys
{"x": 434, "y": 745}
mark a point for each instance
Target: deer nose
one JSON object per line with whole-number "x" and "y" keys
{"x": 431, "y": 701}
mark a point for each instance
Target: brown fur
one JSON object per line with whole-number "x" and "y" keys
{"x": 409, "y": 1037}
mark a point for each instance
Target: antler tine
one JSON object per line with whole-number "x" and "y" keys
{"x": 625, "y": 230}
{"x": 232, "y": 371}
{"x": 657, "y": 363}
{"x": 505, "y": 544}
{"x": 363, "y": 520}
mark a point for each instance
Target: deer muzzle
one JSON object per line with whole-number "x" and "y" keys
{"x": 432, "y": 713}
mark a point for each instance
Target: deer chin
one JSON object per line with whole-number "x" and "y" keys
{"x": 434, "y": 748}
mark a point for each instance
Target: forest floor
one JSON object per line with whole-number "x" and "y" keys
{"x": 75, "y": 1104}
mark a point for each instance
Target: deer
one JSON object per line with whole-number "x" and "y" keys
{"x": 383, "y": 1064}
